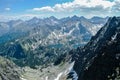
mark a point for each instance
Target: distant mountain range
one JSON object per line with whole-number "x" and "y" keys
{"x": 60, "y": 27}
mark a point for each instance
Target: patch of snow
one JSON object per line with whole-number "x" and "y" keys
{"x": 66, "y": 72}
{"x": 95, "y": 28}
{"x": 74, "y": 74}
{"x": 69, "y": 69}
{"x": 46, "y": 78}
{"x": 22, "y": 78}
{"x": 114, "y": 37}
{"x": 59, "y": 75}
{"x": 33, "y": 46}
{"x": 70, "y": 32}
{"x": 17, "y": 23}
{"x": 77, "y": 25}
{"x": 54, "y": 22}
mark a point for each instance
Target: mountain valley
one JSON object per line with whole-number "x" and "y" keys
{"x": 61, "y": 49}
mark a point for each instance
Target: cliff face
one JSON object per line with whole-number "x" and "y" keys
{"x": 99, "y": 59}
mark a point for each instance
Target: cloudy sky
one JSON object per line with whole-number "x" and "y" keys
{"x": 25, "y": 9}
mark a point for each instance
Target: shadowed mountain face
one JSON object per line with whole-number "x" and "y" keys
{"x": 100, "y": 58}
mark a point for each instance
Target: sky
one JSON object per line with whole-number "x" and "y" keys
{"x": 25, "y": 9}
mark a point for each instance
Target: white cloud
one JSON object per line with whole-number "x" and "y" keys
{"x": 47, "y": 8}
{"x": 5, "y": 18}
{"x": 116, "y": 7}
{"x": 78, "y": 5}
{"x": 7, "y": 9}
{"x": 87, "y": 8}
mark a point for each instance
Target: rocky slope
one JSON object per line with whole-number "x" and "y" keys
{"x": 8, "y": 70}
{"x": 100, "y": 58}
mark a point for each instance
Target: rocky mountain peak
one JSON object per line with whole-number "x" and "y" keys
{"x": 99, "y": 59}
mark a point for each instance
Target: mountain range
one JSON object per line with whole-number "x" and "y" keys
{"x": 65, "y": 26}
{"x": 71, "y": 48}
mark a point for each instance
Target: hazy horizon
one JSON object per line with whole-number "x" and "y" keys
{"x": 26, "y": 9}
{"x": 29, "y": 18}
